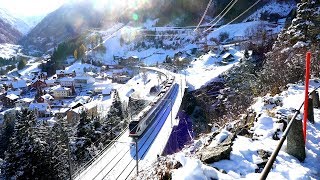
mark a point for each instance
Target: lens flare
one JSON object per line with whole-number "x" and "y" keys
{"x": 135, "y": 16}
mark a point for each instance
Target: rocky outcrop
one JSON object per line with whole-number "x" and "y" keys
{"x": 222, "y": 151}
{"x": 264, "y": 155}
{"x": 290, "y": 48}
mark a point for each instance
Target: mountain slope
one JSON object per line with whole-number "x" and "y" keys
{"x": 76, "y": 17}
{"x": 17, "y": 23}
{"x": 289, "y": 50}
{"x": 8, "y": 34}
{"x": 66, "y": 22}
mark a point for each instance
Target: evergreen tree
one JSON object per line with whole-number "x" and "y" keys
{"x": 85, "y": 137}
{"x": 22, "y": 63}
{"x": 24, "y": 158}
{"x": 114, "y": 118}
{"x": 34, "y": 153}
{"x": 290, "y": 48}
{"x": 58, "y": 147}
{"x": 115, "y": 114}
{"x": 6, "y": 133}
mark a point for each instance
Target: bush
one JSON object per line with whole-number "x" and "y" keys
{"x": 223, "y": 36}
{"x": 22, "y": 63}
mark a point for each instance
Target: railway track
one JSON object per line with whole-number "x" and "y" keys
{"x": 118, "y": 161}
{"x": 120, "y": 158}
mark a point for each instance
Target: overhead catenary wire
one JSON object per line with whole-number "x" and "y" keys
{"x": 204, "y": 14}
{"x": 229, "y": 8}
{"x": 236, "y": 17}
{"x": 221, "y": 12}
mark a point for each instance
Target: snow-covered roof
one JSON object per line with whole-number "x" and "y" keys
{"x": 107, "y": 90}
{"x": 36, "y": 80}
{"x": 39, "y": 106}
{"x": 60, "y": 71}
{"x": 82, "y": 77}
{"x": 47, "y": 97}
{"x": 226, "y": 55}
{"x": 78, "y": 109}
{"x": 17, "y": 93}
{"x": 74, "y": 103}
{"x": 12, "y": 96}
{"x": 27, "y": 100}
{"x": 91, "y": 73}
{"x": 60, "y": 88}
{"x": 59, "y": 110}
{"x": 68, "y": 79}
{"x": 19, "y": 84}
{"x": 90, "y": 105}
{"x": 50, "y": 81}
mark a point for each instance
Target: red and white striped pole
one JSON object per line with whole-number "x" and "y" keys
{"x": 306, "y": 97}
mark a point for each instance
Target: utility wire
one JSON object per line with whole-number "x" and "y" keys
{"x": 236, "y": 17}
{"x": 229, "y": 8}
{"x": 204, "y": 14}
{"x": 221, "y": 12}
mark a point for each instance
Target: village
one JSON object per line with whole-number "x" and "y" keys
{"x": 64, "y": 95}
{"x": 79, "y": 87}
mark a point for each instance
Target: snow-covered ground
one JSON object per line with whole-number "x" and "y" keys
{"x": 244, "y": 156}
{"x": 274, "y": 6}
{"x": 208, "y": 67}
{"x": 9, "y": 50}
{"x": 240, "y": 30}
{"x": 80, "y": 68}
{"x": 120, "y": 44}
{"x": 29, "y": 68}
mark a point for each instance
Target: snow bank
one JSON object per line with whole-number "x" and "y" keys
{"x": 195, "y": 169}
{"x": 244, "y": 158}
{"x": 206, "y": 68}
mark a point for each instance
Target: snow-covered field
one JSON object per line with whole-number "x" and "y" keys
{"x": 207, "y": 67}
{"x": 241, "y": 30}
{"x": 9, "y": 50}
{"x": 276, "y": 7}
{"x": 244, "y": 156}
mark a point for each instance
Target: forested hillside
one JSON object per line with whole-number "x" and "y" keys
{"x": 286, "y": 62}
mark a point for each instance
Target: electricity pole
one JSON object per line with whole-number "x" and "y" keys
{"x": 137, "y": 154}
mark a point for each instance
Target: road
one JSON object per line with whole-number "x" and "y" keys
{"x": 119, "y": 160}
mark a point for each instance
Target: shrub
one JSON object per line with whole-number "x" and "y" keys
{"x": 223, "y": 36}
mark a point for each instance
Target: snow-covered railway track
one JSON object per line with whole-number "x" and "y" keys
{"x": 118, "y": 161}
{"x": 121, "y": 161}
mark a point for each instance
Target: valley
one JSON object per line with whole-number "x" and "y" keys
{"x": 72, "y": 85}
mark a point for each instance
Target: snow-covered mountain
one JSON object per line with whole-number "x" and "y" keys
{"x": 69, "y": 21}
{"x": 17, "y": 23}
{"x": 8, "y": 34}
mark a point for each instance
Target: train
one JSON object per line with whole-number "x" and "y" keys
{"x": 139, "y": 124}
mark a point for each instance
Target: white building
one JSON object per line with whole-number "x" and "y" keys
{"x": 51, "y": 82}
{"x": 82, "y": 81}
{"x": 67, "y": 82}
{"x": 24, "y": 103}
{"x": 61, "y": 92}
{"x": 40, "y": 109}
